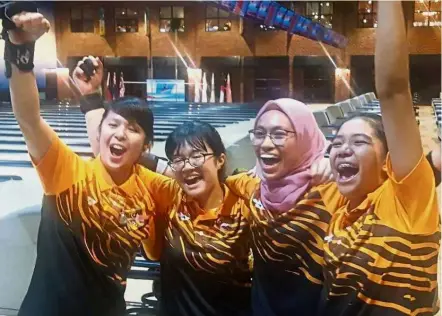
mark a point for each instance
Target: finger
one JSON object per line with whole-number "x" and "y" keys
{"x": 314, "y": 170}
{"x": 80, "y": 62}
{"x": 94, "y": 61}
{"x": 30, "y": 21}
{"x": 46, "y": 25}
{"x": 100, "y": 66}
{"x": 78, "y": 71}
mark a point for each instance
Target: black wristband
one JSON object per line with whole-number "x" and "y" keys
{"x": 91, "y": 102}
{"x": 20, "y": 55}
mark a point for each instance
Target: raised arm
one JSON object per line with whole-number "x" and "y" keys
{"x": 91, "y": 100}
{"x": 91, "y": 103}
{"x": 393, "y": 89}
{"x": 24, "y": 93}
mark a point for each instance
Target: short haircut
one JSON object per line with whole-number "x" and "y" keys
{"x": 200, "y": 136}
{"x": 134, "y": 110}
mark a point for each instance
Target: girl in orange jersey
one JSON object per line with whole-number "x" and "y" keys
{"x": 96, "y": 214}
{"x": 382, "y": 246}
{"x": 289, "y": 215}
{"x": 202, "y": 236}
{"x": 205, "y": 253}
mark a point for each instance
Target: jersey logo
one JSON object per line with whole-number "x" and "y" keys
{"x": 183, "y": 217}
{"x": 328, "y": 238}
{"x": 91, "y": 201}
{"x": 258, "y": 205}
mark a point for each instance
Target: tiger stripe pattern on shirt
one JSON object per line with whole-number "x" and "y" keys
{"x": 95, "y": 215}
{"x": 292, "y": 240}
{"x": 394, "y": 272}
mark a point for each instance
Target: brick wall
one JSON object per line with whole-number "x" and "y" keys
{"x": 243, "y": 40}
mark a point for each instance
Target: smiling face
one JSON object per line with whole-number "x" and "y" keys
{"x": 275, "y": 161}
{"x": 121, "y": 143}
{"x": 199, "y": 176}
{"x": 357, "y": 159}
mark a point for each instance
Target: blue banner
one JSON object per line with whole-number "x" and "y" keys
{"x": 165, "y": 90}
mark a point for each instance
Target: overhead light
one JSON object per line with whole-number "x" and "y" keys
{"x": 327, "y": 4}
{"x": 316, "y": 16}
{"x": 322, "y": 16}
{"x": 368, "y": 10}
{"x": 364, "y": 20}
{"x": 369, "y": 2}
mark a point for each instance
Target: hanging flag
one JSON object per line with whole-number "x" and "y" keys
{"x": 212, "y": 89}
{"x": 122, "y": 87}
{"x": 114, "y": 89}
{"x": 107, "y": 89}
{"x": 228, "y": 90}
{"x": 221, "y": 93}
{"x": 204, "y": 92}
{"x": 101, "y": 23}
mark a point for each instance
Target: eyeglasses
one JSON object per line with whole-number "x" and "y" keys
{"x": 278, "y": 137}
{"x": 196, "y": 160}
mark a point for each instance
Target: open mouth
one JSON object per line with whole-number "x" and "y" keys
{"x": 117, "y": 150}
{"x": 192, "y": 180}
{"x": 269, "y": 160}
{"x": 347, "y": 172}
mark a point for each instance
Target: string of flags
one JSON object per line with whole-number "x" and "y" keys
{"x": 113, "y": 89}
{"x": 203, "y": 94}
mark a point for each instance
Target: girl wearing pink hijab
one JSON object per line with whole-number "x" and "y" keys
{"x": 289, "y": 215}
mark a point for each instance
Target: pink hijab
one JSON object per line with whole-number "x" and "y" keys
{"x": 280, "y": 195}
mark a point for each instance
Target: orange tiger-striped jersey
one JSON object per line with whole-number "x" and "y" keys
{"x": 89, "y": 233}
{"x": 287, "y": 249}
{"x": 204, "y": 260}
{"x": 381, "y": 257}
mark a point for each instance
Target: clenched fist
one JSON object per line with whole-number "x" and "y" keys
{"x": 30, "y": 27}
{"x": 83, "y": 84}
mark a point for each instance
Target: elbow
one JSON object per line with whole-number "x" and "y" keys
{"x": 390, "y": 88}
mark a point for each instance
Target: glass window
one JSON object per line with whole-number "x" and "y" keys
{"x": 168, "y": 14}
{"x": 367, "y": 14}
{"x": 165, "y": 12}
{"x": 178, "y": 12}
{"x": 126, "y": 20}
{"x": 217, "y": 20}
{"x": 321, "y": 12}
{"x": 427, "y": 13}
{"x": 83, "y": 20}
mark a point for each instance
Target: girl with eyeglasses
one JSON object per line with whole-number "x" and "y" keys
{"x": 206, "y": 246}
{"x": 289, "y": 214}
{"x": 202, "y": 235}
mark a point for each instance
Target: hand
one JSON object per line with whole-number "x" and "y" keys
{"x": 80, "y": 79}
{"x": 321, "y": 172}
{"x": 30, "y": 27}
{"x": 252, "y": 172}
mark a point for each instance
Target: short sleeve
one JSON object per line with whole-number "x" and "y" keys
{"x": 331, "y": 197}
{"x": 411, "y": 203}
{"x": 60, "y": 167}
{"x": 164, "y": 190}
{"x": 242, "y": 185}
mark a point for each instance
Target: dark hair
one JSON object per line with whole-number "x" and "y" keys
{"x": 199, "y": 135}
{"x": 375, "y": 122}
{"x": 134, "y": 110}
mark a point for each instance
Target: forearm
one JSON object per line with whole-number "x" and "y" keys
{"x": 391, "y": 59}
{"x": 26, "y": 106}
{"x": 93, "y": 119}
{"x": 24, "y": 98}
